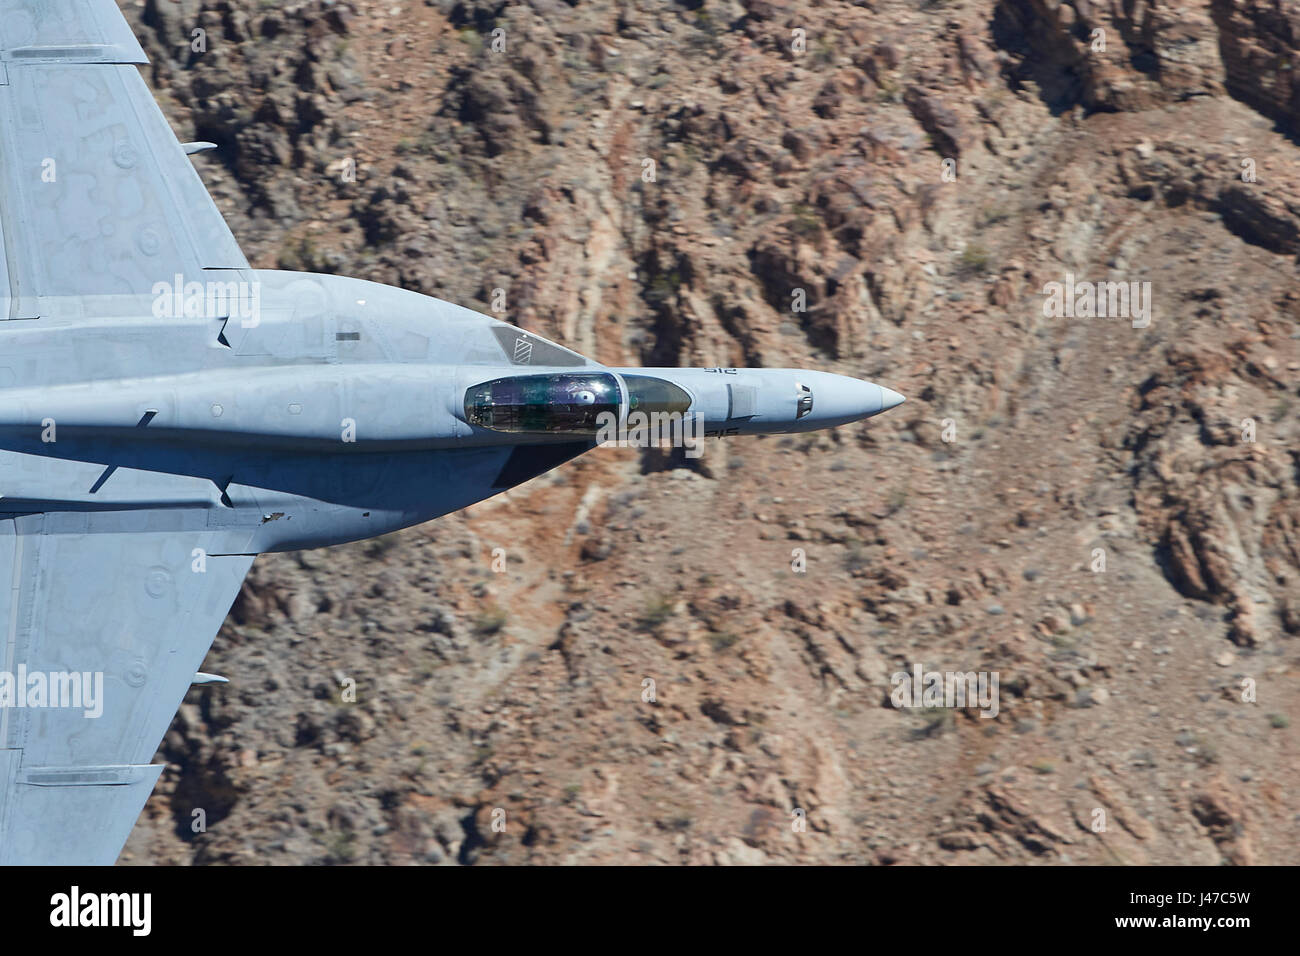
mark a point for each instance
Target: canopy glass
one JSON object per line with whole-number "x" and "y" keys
{"x": 564, "y": 402}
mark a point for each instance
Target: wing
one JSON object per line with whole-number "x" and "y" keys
{"x": 97, "y": 196}
{"x": 132, "y": 615}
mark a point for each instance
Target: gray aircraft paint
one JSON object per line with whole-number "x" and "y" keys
{"x": 221, "y": 434}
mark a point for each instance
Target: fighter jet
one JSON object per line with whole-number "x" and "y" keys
{"x": 168, "y": 413}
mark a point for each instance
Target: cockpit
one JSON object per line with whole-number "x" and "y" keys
{"x": 650, "y": 395}
{"x": 568, "y": 402}
{"x": 562, "y": 402}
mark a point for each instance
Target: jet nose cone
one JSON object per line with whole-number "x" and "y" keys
{"x": 889, "y": 399}
{"x": 839, "y": 399}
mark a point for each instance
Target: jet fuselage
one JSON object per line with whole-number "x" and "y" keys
{"x": 338, "y": 409}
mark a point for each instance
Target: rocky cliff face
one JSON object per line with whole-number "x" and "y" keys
{"x": 1103, "y": 511}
